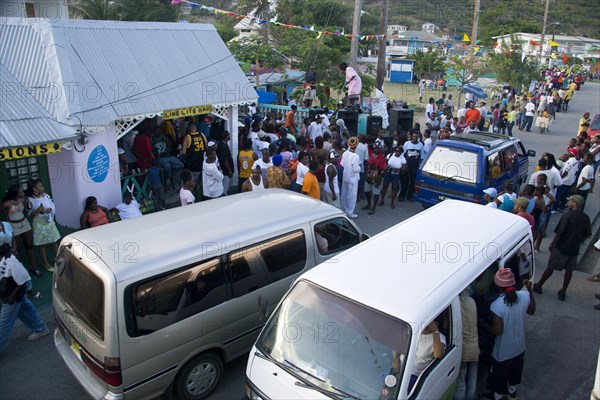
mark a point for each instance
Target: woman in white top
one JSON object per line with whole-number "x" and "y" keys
{"x": 395, "y": 172}
{"x": 41, "y": 210}
{"x": 186, "y": 195}
{"x": 301, "y": 169}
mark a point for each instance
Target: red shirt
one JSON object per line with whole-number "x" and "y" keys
{"x": 142, "y": 147}
{"x": 377, "y": 161}
{"x": 529, "y": 219}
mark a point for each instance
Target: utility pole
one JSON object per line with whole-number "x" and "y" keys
{"x": 475, "y": 25}
{"x": 381, "y": 64}
{"x": 355, "y": 33}
{"x": 539, "y": 57}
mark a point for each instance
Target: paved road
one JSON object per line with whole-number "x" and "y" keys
{"x": 562, "y": 338}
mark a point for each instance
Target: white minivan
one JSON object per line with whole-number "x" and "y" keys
{"x": 349, "y": 327}
{"x": 166, "y": 299}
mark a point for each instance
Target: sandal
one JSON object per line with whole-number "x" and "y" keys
{"x": 594, "y": 278}
{"x": 37, "y": 273}
{"x": 48, "y": 268}
{"x": 36, "y": 295}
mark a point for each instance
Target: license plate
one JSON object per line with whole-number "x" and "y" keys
{"x": 76, "y": 348}
{"x": 442, "y": 198}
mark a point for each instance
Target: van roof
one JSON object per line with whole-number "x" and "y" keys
{"x": 408, "y": 270}
{"x": 175, "y": 235}
{"x": 484, "y": 139}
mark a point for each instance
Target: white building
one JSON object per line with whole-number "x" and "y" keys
{"x": 428, "y": 27}
{"x": 71, "y": 88}
{"x": 247, "y": 27}
{"x": 572, "y": 46}
{"x": 396, "y": 29}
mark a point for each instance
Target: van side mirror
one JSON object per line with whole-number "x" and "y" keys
{"x": 531, "y": 153}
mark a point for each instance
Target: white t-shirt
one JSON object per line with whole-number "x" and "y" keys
{"x": 587, "y": 172}
{"x": 492, "y": 204}
{"x": 461, "y": 112}
{"x": 129, "y": 211}
{"x": 396, "y": 162}
{"x": 570, "y": 167}
{"x": 263, "y": 166}
{"x": 424, "y": 355}
{"x": 315, "y": 130}
{"x": 529, "y": 108}
{"x": 429, "y": 111}
{"x": 6, "y": 237}
{"x": 351, "y": 167}
{"x": 301, "y": 171}
{"x": 186, "y": 197}
{"x": 11, "y": 266}
{"x": 427, "y": 145}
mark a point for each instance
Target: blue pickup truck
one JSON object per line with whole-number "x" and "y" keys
{"x": 465, "y": 164}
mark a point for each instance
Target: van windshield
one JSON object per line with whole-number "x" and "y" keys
{"x": 452, "y": 164}
{"x": 337, "y": 345}
{"x": 81, "y": 290}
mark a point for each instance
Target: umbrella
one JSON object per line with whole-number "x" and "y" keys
{"x": 475, "y": 91}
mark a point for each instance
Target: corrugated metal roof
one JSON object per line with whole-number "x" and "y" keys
{"x": 23, "y": 121}
{"x": 106, "y": 70}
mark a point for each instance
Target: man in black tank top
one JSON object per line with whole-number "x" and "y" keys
{"x": 194, "y": 147}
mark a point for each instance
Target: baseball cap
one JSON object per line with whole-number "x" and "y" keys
{"x": 492, "y": 192}
{"x": 577, "y": 199}
{"x": 522, "y": 202}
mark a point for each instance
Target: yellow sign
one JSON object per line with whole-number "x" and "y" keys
{"x": 12, "y": 153}
{"x": 187, "y": 112}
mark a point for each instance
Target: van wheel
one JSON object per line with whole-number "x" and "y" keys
{"x": 199, "y": 377}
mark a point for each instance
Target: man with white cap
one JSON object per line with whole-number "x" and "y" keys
{"x": 508, "y": 325}
{"x": 350, "y": 178}
{"x": 490, "y": 195}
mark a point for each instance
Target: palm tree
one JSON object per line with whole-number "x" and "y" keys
{"x": 94, "y": 9}
{"x": 125, "y": 10}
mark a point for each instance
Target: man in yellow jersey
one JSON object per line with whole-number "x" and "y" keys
{"x": 194, "y": 146}
{"x": 245, "y": 161}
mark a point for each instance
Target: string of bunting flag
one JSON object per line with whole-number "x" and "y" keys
{"x": 274, "y": 21}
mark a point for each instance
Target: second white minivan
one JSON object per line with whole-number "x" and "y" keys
{"x": 349, "y": 328}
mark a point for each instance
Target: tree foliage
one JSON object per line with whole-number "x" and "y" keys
{"x": 250, "y": 49}
{"x": 512, "y": 68}
{"x": 428, "y": 63}
{"x": 125, "y": 10}
{"x": 464, "y": 70}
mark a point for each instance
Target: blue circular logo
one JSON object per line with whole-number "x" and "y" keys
{"x": 98, "y": 163}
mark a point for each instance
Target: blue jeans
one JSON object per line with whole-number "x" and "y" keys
{"x": 527, "y": 122}
{"x": 25, "y": 311}
{"x": 171, "y": 165}
{"x": 466, "y": 383}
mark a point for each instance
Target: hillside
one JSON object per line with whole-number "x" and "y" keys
{"x": 497, "y": 17}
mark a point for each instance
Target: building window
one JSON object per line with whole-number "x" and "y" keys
{"x": 29, "y": 10}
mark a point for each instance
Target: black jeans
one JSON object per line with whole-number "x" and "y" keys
{"x": 408, "y": 181}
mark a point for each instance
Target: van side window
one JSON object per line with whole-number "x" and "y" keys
{"x": 510, "y": 158}
{"x": 494, "y": 167}
{"x": 335, "y": 235}
{"x": 253, "y": 267}
{"x": 247, "y": 271}
{"x": 521, "y": 150}
{"x": 284, "y": 256}
{"x": 170, "y": 298}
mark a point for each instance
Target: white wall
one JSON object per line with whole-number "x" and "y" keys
{"x": 71, "y": 182}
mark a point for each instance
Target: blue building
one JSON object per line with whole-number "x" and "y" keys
{"x": 401, "y": 70}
